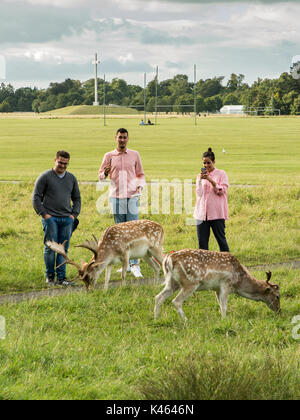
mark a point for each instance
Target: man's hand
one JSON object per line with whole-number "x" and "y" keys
{"x": 47, "y": 216}
{"x": 72, "y": 217}
{"x": 107, "y": 170}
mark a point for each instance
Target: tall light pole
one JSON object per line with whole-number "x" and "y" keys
{"x": 195, "y": 94}
{"x": 145, "y": 97}
{"x": 104, "y": 106}
{"x": 96, "y": 62}
{"x": 156, "y": 86}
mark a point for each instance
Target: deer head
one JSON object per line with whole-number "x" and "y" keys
{"x": 87, "y": 271}
{"x": 272, "y": 294}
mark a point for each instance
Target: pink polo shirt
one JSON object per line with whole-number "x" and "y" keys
{"x": 212, "y": 201}
{"x": 126, "y": 173}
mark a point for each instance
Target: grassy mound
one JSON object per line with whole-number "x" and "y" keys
{"x": 92, "y": 110}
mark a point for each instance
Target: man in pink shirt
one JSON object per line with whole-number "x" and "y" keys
{"x": 127, "y": 177}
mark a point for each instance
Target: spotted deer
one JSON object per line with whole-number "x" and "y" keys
{"x": 191, "y": 269}
{"x": 118, "y": 243}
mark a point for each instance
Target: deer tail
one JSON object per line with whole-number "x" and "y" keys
{"x": 167, "y": 264}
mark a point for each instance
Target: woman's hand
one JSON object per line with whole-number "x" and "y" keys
{"x": 205, "y": 175}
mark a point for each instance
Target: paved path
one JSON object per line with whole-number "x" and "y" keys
{"x": 58, "y": 291}
{"x": 3, "y": 181}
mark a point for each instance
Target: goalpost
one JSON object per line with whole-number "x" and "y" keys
{"x": 261, "y": 111}
{"x": 250, "y": 111}
{"x": 143, "y": 107}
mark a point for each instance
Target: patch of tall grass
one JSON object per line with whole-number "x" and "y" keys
{"x": 225, "y": 375}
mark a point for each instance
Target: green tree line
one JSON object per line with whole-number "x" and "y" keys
{"x": 173, "y": 95}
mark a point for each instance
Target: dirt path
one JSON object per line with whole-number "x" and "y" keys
{"x": 57, "y": 291}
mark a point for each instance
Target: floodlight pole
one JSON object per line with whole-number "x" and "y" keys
{"x": 145, "y": 98}
{"x": 104, "y": 107}
{"x": 156, "y": 87}
{"x": 195, "y": 95}
{"x": 96, "y": 62}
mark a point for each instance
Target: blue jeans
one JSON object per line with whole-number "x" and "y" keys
{"x": 58, "y": 229}
{"x": 125, "y": 210}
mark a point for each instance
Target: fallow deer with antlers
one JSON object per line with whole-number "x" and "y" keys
{"x": 192, "y": 269}
{"x": 119, "y": 243}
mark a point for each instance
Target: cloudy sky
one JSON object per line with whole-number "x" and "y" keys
{"x": 51, "y": 40}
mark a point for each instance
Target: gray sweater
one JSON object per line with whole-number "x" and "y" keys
{"x": 53, "y": 195}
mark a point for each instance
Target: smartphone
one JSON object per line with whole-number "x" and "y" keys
{"x": 203, "y": 170}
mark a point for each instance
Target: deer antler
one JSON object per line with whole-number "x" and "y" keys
{"x": 269, "y": 275}
{"x": 60, "y": 249}
{"x": 92, "y": 245}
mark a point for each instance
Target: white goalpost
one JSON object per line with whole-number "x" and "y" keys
{"x": 175, "y": 107}
{"x": 261, "y": 111}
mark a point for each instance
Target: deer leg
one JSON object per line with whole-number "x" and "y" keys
{"x": 153, "y": 264}
{"x": 169, "y": 289}
{"x": 107, "y": 276}
{"x": 124, "y": 271}
{"x": 157, "y": 254}
{"x": 222, "y": 297}
{"x": 125, "y": 262}
{"x": 181, "y": 297}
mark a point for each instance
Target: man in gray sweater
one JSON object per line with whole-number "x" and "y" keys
{"x": 54, "y": 190}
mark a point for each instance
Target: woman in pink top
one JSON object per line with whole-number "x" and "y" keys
{"x": 211, "y": 209}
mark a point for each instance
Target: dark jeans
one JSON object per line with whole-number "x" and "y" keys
{"x": 218, "y": 228}
{"x": 58, "y": 229}
{"x": 125, "y": 210}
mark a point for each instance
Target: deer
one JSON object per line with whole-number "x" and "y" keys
{"x": 118, "y": 243}
{"x": 196, "y": 269}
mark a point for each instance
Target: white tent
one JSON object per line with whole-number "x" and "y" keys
{"x": 232, "y": 109}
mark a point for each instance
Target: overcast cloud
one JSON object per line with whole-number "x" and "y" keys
{"x": 51, "y": 40}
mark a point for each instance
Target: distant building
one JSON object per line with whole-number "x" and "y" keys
{"x": 232, "y": 109}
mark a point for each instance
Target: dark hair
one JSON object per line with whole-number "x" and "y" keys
{"x": 209, "y": 154}
{"x": 63, "y": 154}
{"x": 122, "y": 131}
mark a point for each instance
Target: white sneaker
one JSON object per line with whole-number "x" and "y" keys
{"x": 120, "y": 270}
{"x": 136, "y": 271}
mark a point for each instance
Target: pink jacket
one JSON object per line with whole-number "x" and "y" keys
{"x": 126, "y": 174}
{"x": 212, "y": 201}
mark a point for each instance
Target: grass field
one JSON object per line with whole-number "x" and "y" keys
{"x": 259, "y": 151}
{"x": 107, "y": 345}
